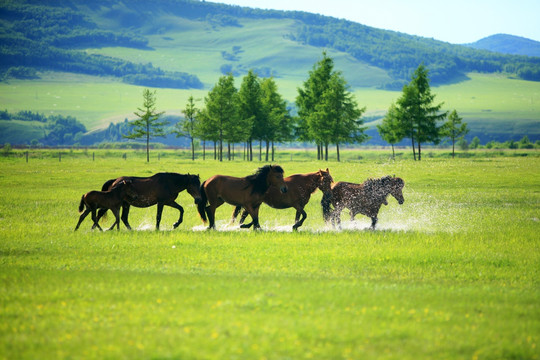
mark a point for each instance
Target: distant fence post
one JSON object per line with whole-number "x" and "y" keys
{"x": 27, "y": 156}
{"x": 93, "y": 156}
{"x": 59, "y": 157}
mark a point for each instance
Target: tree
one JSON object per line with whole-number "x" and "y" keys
{"x": 308, "y": 98}
{"x": 337, "y": 117}
{"x": 328, "y": 112}
{"x": 276, "y": 115}
{"x": 416, "y": 112}
{"x": 250, "y": 109}
{"x": 187, "y": 127}
{"x": 475, "y": 143}
{"x": 454, "y": 129}
{"x": 148, "y": 124}
{"x": 221, "y": 111}
{"x": 390, "y": 130}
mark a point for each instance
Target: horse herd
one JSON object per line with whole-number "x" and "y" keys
{"x": 245, "y": 193}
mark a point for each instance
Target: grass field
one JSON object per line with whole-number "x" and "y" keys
{"x": 453, "y": 273}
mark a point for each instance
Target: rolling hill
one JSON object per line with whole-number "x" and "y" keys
{"x": 90, "y": 60}
{"x": 508, "y": 44}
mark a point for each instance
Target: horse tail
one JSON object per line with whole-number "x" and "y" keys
{"x": 202, "y": 204}
{"x": 325, "y": 203}
{"x": 81, "y": 205}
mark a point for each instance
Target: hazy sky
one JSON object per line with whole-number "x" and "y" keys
{"x": 454, "y": 21}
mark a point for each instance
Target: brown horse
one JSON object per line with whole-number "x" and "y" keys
{"x": 111, "y": 199}
{"x": 247, "y": 192}
{"x": 161, "y": 189}
{"x": 300, "y": 187}
{"x": 365, "y": 198}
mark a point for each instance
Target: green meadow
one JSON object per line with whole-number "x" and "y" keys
{"x": 453, "y": 273}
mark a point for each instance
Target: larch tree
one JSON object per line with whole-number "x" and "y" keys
{"x": 389, "y": 129}
{"x": 454, "y": 129}
{"x": 417, "y": 112}
{"x": 250, "y": 109}
{"x": 328, "y": 112}
{"x": 187, "y": 127}
{"x": 309, "y": 97}
{"x": 221, "y": 110}
{"x": 276, "y": 115}
{"x": 148, "y": 124}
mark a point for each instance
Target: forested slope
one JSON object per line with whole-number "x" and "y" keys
{"x": 52, "y": 35}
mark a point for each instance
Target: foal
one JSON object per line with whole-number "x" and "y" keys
{"x": 111, "y": 199}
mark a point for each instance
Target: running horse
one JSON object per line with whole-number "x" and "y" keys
{"x": 300, "y": 187}
{"x": 365, "y": 198}
{"x": 247, "y": 192}
{"x": 161, "y": 189}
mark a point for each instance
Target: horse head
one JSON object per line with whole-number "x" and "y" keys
{"x": 194, "y": 187}
{"x": 275, "y": 178}
{"x": 395, "y": 187}
{"x": 325, "y": 181}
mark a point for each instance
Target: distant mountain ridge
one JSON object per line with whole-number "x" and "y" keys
{"x": 508, "y": 44}
{"x": 53, "y": 35}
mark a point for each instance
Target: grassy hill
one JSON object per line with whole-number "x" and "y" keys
{"x": 204, "y": 40}
{"x": 508, "y": 44}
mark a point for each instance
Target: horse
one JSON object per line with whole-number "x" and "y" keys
{"x": 300, "y": 187}
{"x": 247, "y": 192}
{"x": 161, "y": 189}
{"x": 111, "y": 199}
{"x": 365, "y": 198}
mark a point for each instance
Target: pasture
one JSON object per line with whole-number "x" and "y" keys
{"x": 453, "y": 273}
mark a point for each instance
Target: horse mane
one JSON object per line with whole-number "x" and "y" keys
{"x": 258, "y": 180}
{"x": 371, "y": 184}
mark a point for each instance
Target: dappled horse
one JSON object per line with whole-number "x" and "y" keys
{"x": 161, "y": 189}
{"x": 365, "y": 198}
{"x": 247, "y": 192}
{"x": 300, "y": 187}
{"x": 111, "y": 199}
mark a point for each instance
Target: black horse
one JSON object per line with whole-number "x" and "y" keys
{"x": 161, "y": 189}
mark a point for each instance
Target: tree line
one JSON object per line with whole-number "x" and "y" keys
{"x": 256, "y": 113}
{"x": 327, "y": 114}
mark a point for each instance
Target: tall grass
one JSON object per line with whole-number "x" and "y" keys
{"x": 450, "y": 274}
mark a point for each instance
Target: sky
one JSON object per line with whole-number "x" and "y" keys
{"x": 453, "y": 21}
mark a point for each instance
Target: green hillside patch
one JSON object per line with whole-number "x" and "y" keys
{"x": 263, "y": 46}
{"x": 491, "y": 104}
{"x": 20, "y": 132}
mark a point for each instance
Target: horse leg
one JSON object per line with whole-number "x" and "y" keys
{"x": 299, "y": 213}
{"x": 373, "y": 222}
{"x": 101, "y": 213}
{"x": 116, "y": 213}
{"x": 254, "y": 212}
{"x": 244, "y": 216}
{"x": 158, "y": 215}
{"x": 211, "y": 214}
{"x": 94, "y": 219}
{"x": 336, "y": 217}
{"x": 125, "y": 213}
{"x": 82, "y": 217}
{"x": 177, "y": 206}
{"x": 235, "y": 213}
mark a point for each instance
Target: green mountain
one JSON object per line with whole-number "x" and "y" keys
{"x": 508, "y": 44}
{"x": 57, "y": 35}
